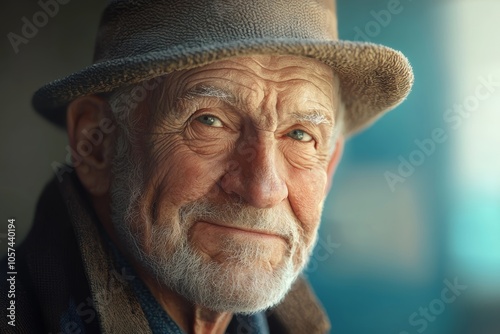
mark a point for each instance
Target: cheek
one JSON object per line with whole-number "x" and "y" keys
{"x": 306, "y": 193}
{"x": 186, "y": 177}
{"x": 180, "y": 178}
{"x": 185, "y": 168}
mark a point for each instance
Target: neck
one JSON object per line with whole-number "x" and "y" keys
{"x": 207, "y": 321}
{"x": 194, "y": 319}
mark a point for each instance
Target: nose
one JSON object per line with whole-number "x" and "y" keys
{"x": 254, "y": 175}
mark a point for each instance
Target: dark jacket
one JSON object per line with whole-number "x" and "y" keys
{"x": 67, "y": 280}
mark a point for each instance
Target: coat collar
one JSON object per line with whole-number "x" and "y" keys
{"x": 119, "y": 309}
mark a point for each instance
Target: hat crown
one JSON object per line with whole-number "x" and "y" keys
{"x": 131, "y": 27}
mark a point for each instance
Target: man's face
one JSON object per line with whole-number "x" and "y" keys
{"x": 220, "y": 197}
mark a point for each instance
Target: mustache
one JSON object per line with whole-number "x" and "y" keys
{"x": 276, "y": 220}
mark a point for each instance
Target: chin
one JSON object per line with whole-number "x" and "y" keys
{"x": 239, "y": 284}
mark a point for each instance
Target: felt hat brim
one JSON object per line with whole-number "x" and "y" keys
{"x": 373, "y": 78}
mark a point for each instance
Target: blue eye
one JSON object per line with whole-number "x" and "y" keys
{"x": 300, "y": 135}
{"x": 210, "y": 121}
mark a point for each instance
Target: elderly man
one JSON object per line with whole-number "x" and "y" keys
{"x": 204, "y": 139}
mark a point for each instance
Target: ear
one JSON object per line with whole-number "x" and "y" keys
{"x": 334, "y": 161}
{"x": 89, "y": 125}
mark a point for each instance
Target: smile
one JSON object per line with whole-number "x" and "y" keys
{"x": 241, "y": 232}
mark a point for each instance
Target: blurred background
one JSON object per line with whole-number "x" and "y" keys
{"x": 410, "y": 239}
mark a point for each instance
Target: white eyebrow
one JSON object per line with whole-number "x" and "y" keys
{"x": 314, "y": 116}
{"x": 209, "y": 91}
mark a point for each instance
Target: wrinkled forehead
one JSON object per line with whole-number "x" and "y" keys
{"x": 301, "y": 82}
{"x": 292, "y": 74}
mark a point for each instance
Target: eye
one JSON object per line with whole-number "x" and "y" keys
{"x": 300, "y": 135}
{"x": 210, "y": 121}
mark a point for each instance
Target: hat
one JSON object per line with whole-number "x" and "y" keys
{"x": 142, "y": 39}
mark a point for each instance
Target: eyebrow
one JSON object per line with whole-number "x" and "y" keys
{"x": 314, "y": 116}
{"x": 208, "y": 91}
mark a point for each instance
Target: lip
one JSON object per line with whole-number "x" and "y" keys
{"x": 244, "y": 232}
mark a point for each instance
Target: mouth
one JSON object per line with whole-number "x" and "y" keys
{"x": 238, "y": 231}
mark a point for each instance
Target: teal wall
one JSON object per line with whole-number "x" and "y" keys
{"x": 393, "y": 249}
